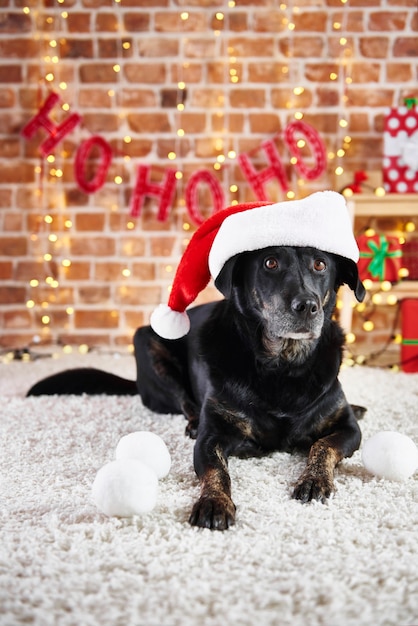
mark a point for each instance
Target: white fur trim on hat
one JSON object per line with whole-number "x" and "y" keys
{"x": 320, "y": 220}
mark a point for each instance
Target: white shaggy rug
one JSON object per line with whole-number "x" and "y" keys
{"x": 352, "y": 562}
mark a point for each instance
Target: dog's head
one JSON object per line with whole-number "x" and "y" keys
{"x": 290, "y": 291}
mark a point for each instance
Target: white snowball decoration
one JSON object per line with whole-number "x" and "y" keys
{"x": 148, "y": 448}
{"x": 389, "y": 454}
{"x": 124, "y": 488}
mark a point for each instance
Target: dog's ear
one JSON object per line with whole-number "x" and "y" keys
{"x": 347, "y": 273}
{"x": 224, "y": 280}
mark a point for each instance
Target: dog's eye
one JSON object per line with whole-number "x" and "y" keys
{"x": 271, "y": 263}
{"x": 319, "y": 265}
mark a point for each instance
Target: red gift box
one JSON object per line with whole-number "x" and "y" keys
{"x": 409, "y": 347}
{"x": 400, "y": 150}
{"x": 380, "y": 258}
{"x": 410, "y": 258}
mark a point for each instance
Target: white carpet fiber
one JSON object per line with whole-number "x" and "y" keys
{"x": 351, "y": 562}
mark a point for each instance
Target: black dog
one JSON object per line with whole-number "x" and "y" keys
{"x": 256, "y": 373}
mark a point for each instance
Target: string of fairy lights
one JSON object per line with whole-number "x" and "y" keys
{"x": 52, "y": 227}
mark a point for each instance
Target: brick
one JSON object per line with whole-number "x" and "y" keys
{"x": 76, "y": 48}
{"x": 162, "y": 246}
{"x": 75, "y": 197}
{"x": 94, "y": 98}
{"x": 9, "y": 148}
{"x": 354, "y": 21}
{"x": 328, "y": 97}
{"x": 235, "y": 122}
{"x": 134, "y": 319}
{"x": 97, "y": 73}
{"x": 180, "y": 146}
{"x": 126, "y": 295}
{"x": 98, "y": 123}
{"x": 201, "y": 48}
{"x": 311, "y": 21}
{"x": 399, "y": 72}
{"x": 359, "y": 123}
{"x": 13, "y": 246}
{"x": 27, "y": 270}
{"x": 6, "y": 270}
{"x": 5, "y": 198}
{"x": 189, "y": 72}
{"x": 387, "y": 21}
{"x": 112, "y": 48}
{"x": 137, "y": 21}
{"x": 136, "y": 98}
{"x": 18, "y": 48}
{"x": 374, "y": 47}
{"x": 77, "y": 271}
{"x": 264, "y": 123}
{"x": 15, "y": 23}
{"x": 108, "y": 271}
{"x": 269, "y": 72}
{"x": 192, "y": 122}
{"x": 336, "y": 50}
{"x": 247, "y": 98}
{"x": 171, "y": 22}
{"x": 364, "y": 72}
{"x": 90, "y": 221}
{"x": 148, "y": 122}
{"x": 158, "y": 47}
{"x": 94, "y": 295}
{"x": 268, "y": 22}
{"x": 7, "y": 98}
{"x": 132, "y": 246}
{"x": 405, "y": 47}
{"x": 149, "y": 73}
{"x": 12, "y": 295}
{"x": 321, "y": 72}
{"x": 79, "y": 22}
{"x": 17, "y": 319}
{"x": 281, "y": 98}
{"x": 10, "y": 73}
{"x": 96, "y": 319}
{"x": 207, "y": 98}
{"x": 106, "y": 22}
{"x": 302, "y": 47}
{"x": 370, "y": 98}
{"x": 144, "y": 271}
{"x": 137, "y": 148}
{"x": 94, "y": 246}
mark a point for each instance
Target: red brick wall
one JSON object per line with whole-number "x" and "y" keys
{"x": 239, "y": 70}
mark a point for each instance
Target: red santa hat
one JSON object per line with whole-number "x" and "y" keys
{"x": 320, "y": 220}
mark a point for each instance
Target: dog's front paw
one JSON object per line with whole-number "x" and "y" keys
{"x": 311, "y": 487}
{"x": 216, "y": 513}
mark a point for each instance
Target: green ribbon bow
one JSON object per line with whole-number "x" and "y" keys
{"x": 378, "y": 255}
{"x": 410, "y": 102}
{"x": 410, "y": 342}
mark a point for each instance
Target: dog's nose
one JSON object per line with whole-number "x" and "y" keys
{"x": 307, "y": 307}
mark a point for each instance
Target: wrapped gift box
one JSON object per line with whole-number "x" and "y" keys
{"x": 400, "y": 150}
{"x": 380, "y": 258}
{"x": 410, "y": 258}
{"x": 409, "y": 348}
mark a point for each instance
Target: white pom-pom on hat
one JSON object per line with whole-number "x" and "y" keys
{"x": 168, "y": 323}
{"x": 320, "y": 220}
